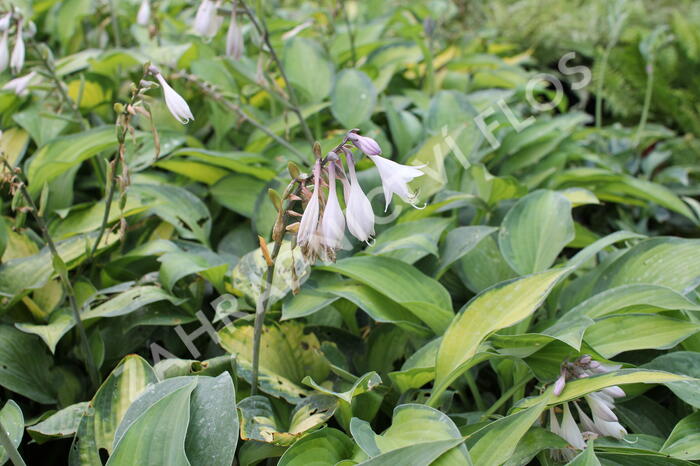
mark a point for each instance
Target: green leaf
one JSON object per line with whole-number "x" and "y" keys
{"x": 241, "y": 162}
{"x": 459, "y": 242}
{"x": 288, "y": 356}
{"x": 157, "y": 436}
{"x": 422, "y": 295}
{"x": 26, "y": 366}
{"x": 412, "y": 425}
{"x": 410, "y": 241}
{"x": 62, "y": 153}
{"x": 353, "y": 98}
{"x": 484, "y": 266}
{"x": 325, "y": 446}
{"x": 535, "y": 440}
{"x": 308, "y": 70}
{"x": 60, "y": 322}
{"x": 664, "y": 261}
{"x": 681, "y": 362}
{"x": 61, "y": 424}
{"x": 535, "y": 231}
{"x": 616, "y": 334}
{"x": 580, "y": 387}
{"x": 177, "y": 206}
{"x": 416, "y": 455}
{"x": 495, "y": 443}
{"x": 129, "y": 301}
{"x": 238, "y": 192}
{"x": 212, "y": 434}
{"x": 179, "y": 264}
{"x": 364, "y": 384}
{"x": 585, "y": 458}
{"x": 13, "y": 421}
{"x": 495, "y": 308}
{"x": 249, "y": 275}
{"x": 684, "y": 441}
{"x": 259, "y": 422}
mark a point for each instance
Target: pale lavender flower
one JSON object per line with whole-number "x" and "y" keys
{"x": 333, "y": 222}
{"x": 609, "y": 429}
{"x": 586, "y": 422}
{"x": 614, "y": 391}
{"x": 5, "y": 22}
{"x": 564, "y": 431}
{"x": 367, "y": 145}
{"x": 17, "y": 58}
{"x": 570, "y": 431}
{"x": 309, "y": 220}
{"x": 601, "y": 406}
{"x": 4, "y": 51}
{"x": 206, "y": 21}
{"x": 358, "y": 208}
{"x": 395, "y": 178}
{"x": 234, "y": 37}
{"x": 176, "y": 104}
{"x": 19, "y": 85}
{"x": 143, "y": 17}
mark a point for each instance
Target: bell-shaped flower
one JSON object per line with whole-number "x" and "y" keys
{"x": 367, "y": 145}
{"x": 5, "y": 22}
{"x": 309, "y": 220}
{"x": 395, "y": 178}
{"x": 206, "y": 21}
{"x": 17, "y": 58}
{"x": 234, "y": 38}
{"x": 609, "y": 429}
{"x": 19, "y": 85}
{"x": 176, "y": 104}
{"x": 614, "y": 391}
{"x": 559, "y": 454}
{"x": 4, "y": 51}
{"x": 333, "y": 222}
{"x": 570, "y": 431}
{"x": 358, "y": 210}
{"x": 586, "y": 422}
{"x": 601, "y": 407}
{"x": 143, "y": 17}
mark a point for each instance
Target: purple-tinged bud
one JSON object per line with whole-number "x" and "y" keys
{"x": 614, "y": 391}
{"x": 585, "y": 359}
{"x": 367, "y": 145}
{"x": 559, "y": 384}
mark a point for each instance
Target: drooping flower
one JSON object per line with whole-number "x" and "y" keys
{"x": 601, "y": 406}
{"x": 367, "y": 145}
{"x": 309, "y": 220}
{"x": 333, "y": 222}
{"x": 4, "y": 51}
{"x": 143, "y": 17}
{"x": 561, "y": 454}
{"x": 234, "y": 37}
{"x": 561, "y": 382}
{"x": 176, "y": 104}
{"x": 17, "y": 58}
{"x": 395, "y": 178}
{"x": 5, "y": 22}
{"x": 206, "y": 21}
{"x": 19, "y": 85}
{"x": 360, "y": 217}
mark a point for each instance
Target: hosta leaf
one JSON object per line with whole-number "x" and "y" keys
{"x": 681, "y": 362}
{"x": 459, "y": 242}
{"x": 129, "y": 301}
{"x": 585, "y": 458}
{"x": 60, "y": 322}
{"x": 249, "y": 275}
{"x": 412, "y": 424}
{"x": 422, "y": 295}
{"x": 665, "y": 261}
{"x": 484, "y": 266}
{"x": 578, "y": 388}
{"x": 302, "y": 55}
{"x": 496, "y": 308}
{"x": 410, "y": 241}
{"x": 259, "y": 422}
{"x": 494, "y": 444}
{"x": 535, "y": 230}
{"x": 416, "y": 455}
{"x": 353, "y": 98}
{"x": 61, "y": 424}
{"x": 13, "y": 421}
{"x": 325, "y": 446}
{"x": 362, "y": 385}
{"x": 157, "y": 436}
{"x": 616, "y": 334}
{"x": 684, "y": 441}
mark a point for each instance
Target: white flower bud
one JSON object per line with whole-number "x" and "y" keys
{"x": 17, "y": 58}
{"x": 176, "y": 104}
{"x": 333, "y": 222}
{"x": 143, "y": 17}
{"x": 4, "y": 52}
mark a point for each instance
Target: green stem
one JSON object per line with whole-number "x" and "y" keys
{"x": 10, "y": 448}
{"x": 505, "y": 397}
{"x": 65, "y": 281}
{"x": 471, "y": 383}
{"x": 647, "y": 104}
{"x": 262, "y": 30}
